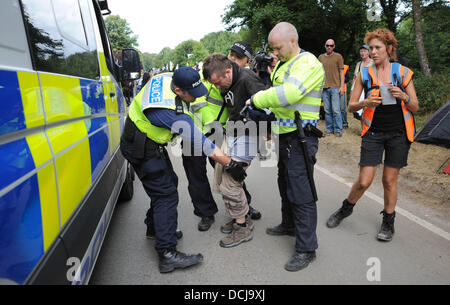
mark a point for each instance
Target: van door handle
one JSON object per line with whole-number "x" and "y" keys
{"x": 112, "y": 94}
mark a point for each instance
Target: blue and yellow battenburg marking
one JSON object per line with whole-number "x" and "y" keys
{"x": 35, "y": 203}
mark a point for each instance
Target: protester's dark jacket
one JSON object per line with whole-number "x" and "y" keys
{"x": 245, "y": 84}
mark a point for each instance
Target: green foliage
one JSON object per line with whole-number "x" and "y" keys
{"x": 345, "y": 21}
{"x": 149, "y": 61}
{"x": 220, "y": 42}
{"x": 436, "y": 36}
{"x": 214, "y": 42}
{"x": 188, "y": 53}
{"x": 432, "y": 92}
{"x": 120, "y": 33}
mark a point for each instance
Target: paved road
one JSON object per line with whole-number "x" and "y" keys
{"x": 349, "y": 254}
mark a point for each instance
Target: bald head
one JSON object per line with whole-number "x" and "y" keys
{"x": 285, "y": 31}
{"x": 283, "y": 39}
{"x": 329, "y": 46}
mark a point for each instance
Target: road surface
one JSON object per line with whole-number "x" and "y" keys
{"x": 348, "y": 254}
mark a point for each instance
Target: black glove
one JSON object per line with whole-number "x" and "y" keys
{"x": 236, "y": 170}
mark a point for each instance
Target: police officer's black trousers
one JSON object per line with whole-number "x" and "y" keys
{"x": 160, "y": 183}
{"x": 198, "y": 185}
{"x": 298, "y": 208}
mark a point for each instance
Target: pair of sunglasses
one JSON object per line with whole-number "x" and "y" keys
{"x": 329, "y": 45}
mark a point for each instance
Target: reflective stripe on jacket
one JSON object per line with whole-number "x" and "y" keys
{"x": 156, "y": 94}
{"x": 207, "y": 108}
{"x": 298, "y": 85}
{"x": 400, "y": 76}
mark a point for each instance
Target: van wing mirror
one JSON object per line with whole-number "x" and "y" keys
{"x": 131, "y": 64}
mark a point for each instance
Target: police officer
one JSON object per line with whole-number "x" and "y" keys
{"x": 240, "y": 53}
{"x": 157, "y": 114}
{"x": 297, "y": 80}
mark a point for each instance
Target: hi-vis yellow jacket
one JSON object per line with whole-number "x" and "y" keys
{"x": 297, "y": 85}
{"x": 207, "y": 108}
{"x": 156, "y": 94}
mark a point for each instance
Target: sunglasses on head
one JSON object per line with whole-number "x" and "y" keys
{"x": 329, "y": 45}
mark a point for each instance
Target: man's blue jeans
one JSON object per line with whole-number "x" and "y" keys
{"x": 332, "y": 107}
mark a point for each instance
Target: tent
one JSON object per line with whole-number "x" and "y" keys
{"x": 437, "y": 129}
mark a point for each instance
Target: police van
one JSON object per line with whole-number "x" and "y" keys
{"x": 61, "y": 117}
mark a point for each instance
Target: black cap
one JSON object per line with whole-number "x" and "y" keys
{"x": 188, "y": 79}
{"x": 242, "y": 49}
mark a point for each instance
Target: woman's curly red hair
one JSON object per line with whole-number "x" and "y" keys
{"x": 387, "y": 37}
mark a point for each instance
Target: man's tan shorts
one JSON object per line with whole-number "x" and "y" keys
{"x": 232, "y": 193}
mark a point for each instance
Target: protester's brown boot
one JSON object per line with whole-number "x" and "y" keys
{"x": 228, "y": 227}
{"x": 237, "y": 236}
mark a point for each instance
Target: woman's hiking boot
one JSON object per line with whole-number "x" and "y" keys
{"x": 345, "y": 211}
{"x": 387, "y": 227}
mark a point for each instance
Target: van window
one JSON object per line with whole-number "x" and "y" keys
{"x": 61, "y": 37}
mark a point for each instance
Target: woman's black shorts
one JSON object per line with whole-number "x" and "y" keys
{"x": 394, "y": 144}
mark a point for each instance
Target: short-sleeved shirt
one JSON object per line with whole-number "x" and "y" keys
{"x": 183, "y": 125}
{"x": 332, "y": 66}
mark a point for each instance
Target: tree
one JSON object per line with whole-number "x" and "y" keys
{"x": 164, "y": 57}
{"x": 149, "y": 61}
{"x": 120, "y": 33}
{"x": 390, "y": 12}
{"x": 343, "y": 20}
{"x": 220, "y": 42}
{"x": 189, "y": 52}
{"x": 436, "y": 37}
{"x": 417, "y": 17}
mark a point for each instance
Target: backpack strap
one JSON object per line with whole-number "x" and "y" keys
{"x": 366, "y": 80}
{"x": 396, "y": 76}
{"x": 369, "y": 79}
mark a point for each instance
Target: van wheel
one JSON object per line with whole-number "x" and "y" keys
{"x": 127, "y": 189}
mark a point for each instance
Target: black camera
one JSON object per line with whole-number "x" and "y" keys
{"x": 261, "y": 60}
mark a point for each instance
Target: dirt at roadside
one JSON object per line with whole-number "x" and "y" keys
{"x": 419, "y": 179}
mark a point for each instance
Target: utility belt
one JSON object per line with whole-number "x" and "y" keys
{"x": 143, "y": 146}
{"x": 309, "y": 129}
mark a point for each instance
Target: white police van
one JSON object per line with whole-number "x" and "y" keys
{"x": 62, "y": 114}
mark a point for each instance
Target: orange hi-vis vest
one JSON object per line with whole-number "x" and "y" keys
{"x": 346, "y": 67}
{"x": 401, "y": 76}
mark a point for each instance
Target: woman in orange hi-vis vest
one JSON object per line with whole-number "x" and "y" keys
{"x": 388, "y": 126}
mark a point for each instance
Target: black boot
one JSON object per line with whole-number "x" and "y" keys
{"x": 280, "y": 230}
{"x": 170, "y": 260}
{"x": 205, "y": 223}
{"x": 345, "y": 211}
{"x": 387, "y": 227}
{"x": 253, "y": 213}
{"x": 300, "y": 261}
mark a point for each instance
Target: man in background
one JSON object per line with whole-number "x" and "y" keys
{"x": 333, "y": 64}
